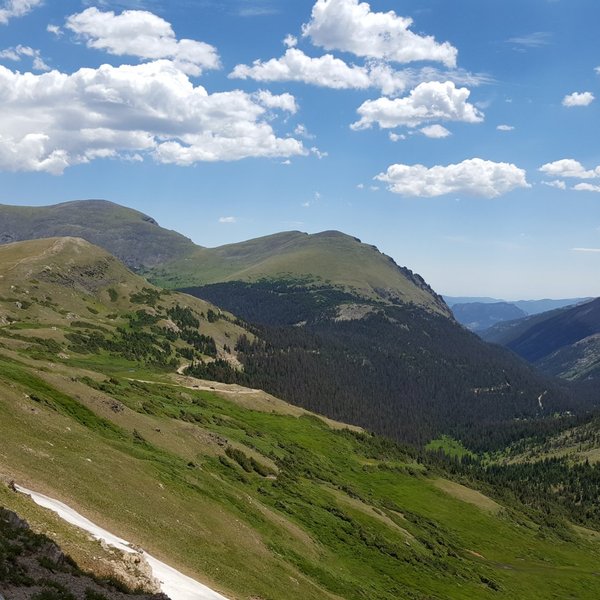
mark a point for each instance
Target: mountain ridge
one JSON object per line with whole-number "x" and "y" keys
{"x": 172, "y": 260}
{"x": 130, "y": 235}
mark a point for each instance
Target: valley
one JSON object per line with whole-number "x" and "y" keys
{"x": 229, "y": 435}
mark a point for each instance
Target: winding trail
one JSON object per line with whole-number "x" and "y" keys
{"x": 174, "y": 584}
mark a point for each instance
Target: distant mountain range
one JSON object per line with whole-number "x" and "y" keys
{"x": 529, "y": 307}
{"x": 563, "y": 342}
{"x": 479, "y": 314}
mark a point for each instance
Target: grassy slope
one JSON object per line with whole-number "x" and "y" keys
{"x": 47, "y": 286}
{"x": 328, "y": 258}
{"x": 340, "y": 520}
{"x": 340, "y": 516}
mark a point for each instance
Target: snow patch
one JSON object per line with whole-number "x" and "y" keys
{"x": 174, "y": 584}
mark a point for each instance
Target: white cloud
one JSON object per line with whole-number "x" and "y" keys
{"x": 303, "y": 132}
{"x": 396, "y": 137}
{"x": 351, "y": 26}
{"x": 586, "y": 187}
{"x": 290, "y": 41}
{"x": 333, "y": 72}
{"x": 142, "y": 34}
{"x": 430, "y": 101}
{"x": 568, "y": 167}
{"x": 476, "y": 177}
{"x": 285, "y": 102}
{"x": 16, "y": 8}
{"x": 505, "y": 128}
{"x": 16, "y": 53}
{"x": 586, "y": 250}
{"x": 51, "y": 121}
{"x": 326, "y": 71}
{"x": 578, "y": 99}
{"x": 54, "y": 30}
{"x": 316, "y": 152}
{"x": 556, "y": 183}
{"x": 435, "y": 132}
{"x": 294, "y": 65}
{"x": 227, "y": 220}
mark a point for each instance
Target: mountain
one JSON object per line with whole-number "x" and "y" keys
{"x": 562, "y": 342}
{"x": 536, "y": 307}
{"x": 479, "y": 316}
{"x": 171, "y": 260}
{"x": 331, "y": 259}
{"x": 335, "y": 327}
{"x": 529, "y": 307}
{"x": 250, "y": 495}
{"x": 131, "y": 236}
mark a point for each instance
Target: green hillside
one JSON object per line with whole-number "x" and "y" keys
{"x": 248, "y": 494}
{"x": 261, "y": 501}
{"x": 330, "y": 258}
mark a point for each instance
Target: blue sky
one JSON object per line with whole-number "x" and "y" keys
{"x": 461, "y": 138}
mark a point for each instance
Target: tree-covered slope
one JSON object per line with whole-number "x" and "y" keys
{"x": 400, "y": 370}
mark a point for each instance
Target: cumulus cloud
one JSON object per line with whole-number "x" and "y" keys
{"x": 578, "y": 99}
{"x": 285, "y": 102}
{"x": 16, "y": 8}
{"x": 568, "y": 167}
{"x": 54, "y": 120}
{"x": 294, "y": 65}
{"x": 18, "y": 52}
{"x": 55, "y": 30}
{"x": 351, "y": 26}
{"x": 290, "y": 41}
{"x": 333, "y": 72}
{"x": 505, "y": 128}
{"x": 142, "y": 34}
{"x": 430, "y": 101}
{"x": 475, "y": 177}
{"x": 586, "y": 187}
{"x": 396, "y": 137}
{"x": 435, "y": 132}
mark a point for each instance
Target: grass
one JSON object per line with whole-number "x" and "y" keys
{"x": 347, "y": 516}
{"x": 448, "y": 445}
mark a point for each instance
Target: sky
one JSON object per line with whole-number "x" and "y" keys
{"x": 460, "y": 138}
